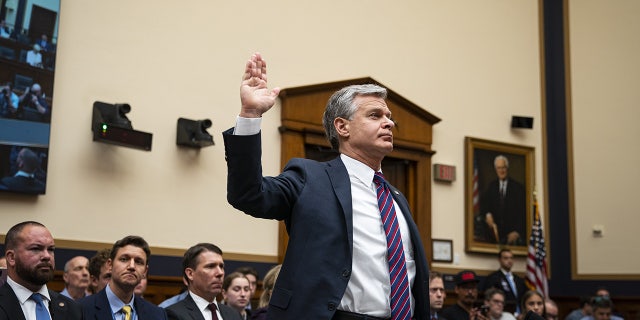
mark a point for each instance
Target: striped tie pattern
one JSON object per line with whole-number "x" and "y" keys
{"x": 126, "y": 310}
{"x": 400, "y": 300}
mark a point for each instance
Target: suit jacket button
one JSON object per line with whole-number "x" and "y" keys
{"x": 346, "y": 273}
{"x": 332, "y": 306}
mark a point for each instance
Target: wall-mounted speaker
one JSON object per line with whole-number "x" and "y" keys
{"x": 522, "y": 122}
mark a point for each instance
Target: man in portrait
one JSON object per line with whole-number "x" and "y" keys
{"x": 503, "y": 206}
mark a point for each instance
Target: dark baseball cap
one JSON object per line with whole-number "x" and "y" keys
{"x": 466, "y": 276}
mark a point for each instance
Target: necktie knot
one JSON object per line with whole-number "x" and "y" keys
{"x": 41, "y": 310}
{"x": 378, "y": 178}
{"x": 126, "y": 310}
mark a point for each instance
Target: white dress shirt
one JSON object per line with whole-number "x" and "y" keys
{"x": 203, "y": 306}
{"x": 24, "y": 297}
{"x": 369, "y": 289}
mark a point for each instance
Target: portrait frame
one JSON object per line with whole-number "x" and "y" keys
{"x": 511, "y": 212}
{"x": 442, "y": 250}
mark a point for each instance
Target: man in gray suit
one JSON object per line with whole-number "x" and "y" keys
{"x": 29, "y": 248}
{"x": 203, "y": 268}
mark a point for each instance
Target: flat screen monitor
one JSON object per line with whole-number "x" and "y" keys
{"x": 28, "y": 37}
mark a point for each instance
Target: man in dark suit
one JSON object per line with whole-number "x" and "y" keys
{"x": 437, "y": 295}
{"x": 336, "y": 265}
{"x": 128, "y": 263}
{"x": 25, "y": 179}
{"x": 503, "y": 204}
{"x": 29, "y": 248}
{"x": 503, "y": 279}
{"x": 203, "y": 267}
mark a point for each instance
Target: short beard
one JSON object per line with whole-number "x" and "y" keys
{"x": 34, "y": 276}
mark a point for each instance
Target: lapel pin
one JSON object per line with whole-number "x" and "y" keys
{"x": 61, "y": 304}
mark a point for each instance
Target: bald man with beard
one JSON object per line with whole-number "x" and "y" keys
{"x": 29, "y": 248}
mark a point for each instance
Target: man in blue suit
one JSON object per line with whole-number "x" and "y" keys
{"x": 336, "y": 265}
{"x": 129, "y": 263}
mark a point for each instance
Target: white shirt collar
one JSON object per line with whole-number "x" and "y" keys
{"x": 361, "y": 171}
{"x": 201, "y": 302}
{"x": 23, "y": 293}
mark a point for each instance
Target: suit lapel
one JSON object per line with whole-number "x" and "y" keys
{"x": 58, "y": 307}
{"x": 9, "y": 303}
{"x": 339, "y": 178}
{"x": 192, "y": 308}
{"x": 103, "y": 309}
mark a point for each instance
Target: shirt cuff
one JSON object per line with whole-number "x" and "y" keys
{"x": 247, "y": 126}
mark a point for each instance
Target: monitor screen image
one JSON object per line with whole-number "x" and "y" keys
{"x": 28, "y": 38}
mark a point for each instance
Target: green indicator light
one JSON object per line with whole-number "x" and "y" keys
{"x": 104, "y": 126}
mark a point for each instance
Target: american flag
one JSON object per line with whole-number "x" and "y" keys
{"x": 536, "y": 260}
{"x": 476, "y": 192}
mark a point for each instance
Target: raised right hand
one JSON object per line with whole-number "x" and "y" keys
{"x": 255, "y": 96}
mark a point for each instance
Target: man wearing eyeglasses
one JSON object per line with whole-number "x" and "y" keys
{"x": 494, "y": 298}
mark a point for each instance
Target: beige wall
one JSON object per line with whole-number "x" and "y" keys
{"x": 471, "y": 63}
{"x": 605, "y": 73}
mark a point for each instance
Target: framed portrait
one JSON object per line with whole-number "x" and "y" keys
{"x": 499, "y": 181}
{"x": 442, "y": 250}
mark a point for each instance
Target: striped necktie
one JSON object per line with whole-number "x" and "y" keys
{"x": 127, "y": 312}
{"x": 400, "y": 299}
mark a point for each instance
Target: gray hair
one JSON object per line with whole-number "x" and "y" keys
{"x": 501, "y": 157}
{"x": 341, "y": 105}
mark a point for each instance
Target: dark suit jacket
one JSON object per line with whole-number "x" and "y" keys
{"x": 60, "y": 307}
{"x": 23, "y": 184}
{"x": 498, "y": 280}
{"x": 314, "y": 200}
{"x": 96, "y": 307}
{"x": 187, "y": 309}
{"x": 510, "y": 214}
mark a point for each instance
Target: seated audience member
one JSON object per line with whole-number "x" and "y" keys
{"x": 583, "y": 311}
{"x": 99, "y": 272}
{"x": 550, "y": 309}
{"x": 236, "y": 290}
{"x": 252, "y": 275}
{"x": 437, "y": 295}
{"x": 9, "y": 101}
{"x": 268, "y": 283}
{"x": 511, "y": 284}
{"x": 129, "y": 263}
{"x": 4, "y": 30}
{"x": 3, "y": 262}
{"x": 34, "y": 57}
{"x": 203, "y": 268}
{"x": 467, "y": 292}
{"x": 25, "y": 180}
{"x": 601, "y": 309}
{"x": 30, "y": 252}
{"x": 76, "y": 278}
{"x": 33, "y": 105}
{"x": 604, "y": 292}
{"x": 495, "y": 299}
{"x": 532, "y": 301}
{"x": 178, "y": 297}
{"x": 44, "y": 43}
{"x": 141, "y": 287}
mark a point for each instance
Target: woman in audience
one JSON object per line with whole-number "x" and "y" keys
{"x": 268, "y": 283}
{"x": 236, "y": 292}
{"x": 532, "y": 301}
